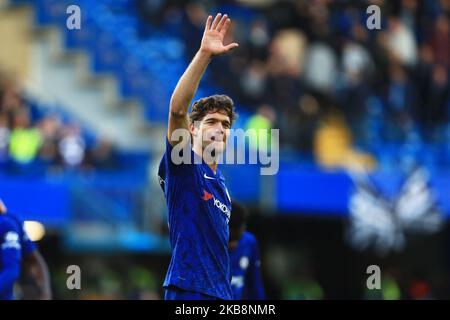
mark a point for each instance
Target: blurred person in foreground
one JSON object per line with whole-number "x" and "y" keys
{"x": 245, "y": 258}
{"x": 198, "y": 202}
{"x": 18, "y": 253}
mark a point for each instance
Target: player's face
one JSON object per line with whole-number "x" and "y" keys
{"x": 214, "y": 130}
{"x": 235, "y": 236}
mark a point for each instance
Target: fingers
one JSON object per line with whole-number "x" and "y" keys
{"x": 216, "y": 21}
{"x": 222, "y": 22}
{"x": 231, "y": 46}
{"x": 208, "y": 23}
{"x": 225, "y": 26}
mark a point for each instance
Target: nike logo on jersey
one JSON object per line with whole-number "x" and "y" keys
{"x": 208, "y": 177}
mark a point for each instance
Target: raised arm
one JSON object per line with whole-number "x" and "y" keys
{"x": 211, "y": 45}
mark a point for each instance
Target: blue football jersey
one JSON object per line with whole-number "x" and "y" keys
{"x": 199, "y": 209}
{"x": 10, "y": 256}
{"x": 246, "y": 270}
{"x": 27, "y": 245}
{"x": 14, "y": 244}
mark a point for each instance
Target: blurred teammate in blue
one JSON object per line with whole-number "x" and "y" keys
{"x": 198, "y": 202}
{"x": 19, "y": 255}
{"x": 246, "y": 279}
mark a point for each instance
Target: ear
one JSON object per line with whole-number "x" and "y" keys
{"x": 193, "y": 129}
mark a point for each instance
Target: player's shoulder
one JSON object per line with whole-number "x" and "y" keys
{"x": 249, "y": 238}
{"x": 180, "y": 156}
{"x": 16, "y": 217}
{"x": 8, "y": 223}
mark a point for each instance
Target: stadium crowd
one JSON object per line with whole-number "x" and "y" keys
{"x": 308, "y": 66}
{"x": 33, "y": 141}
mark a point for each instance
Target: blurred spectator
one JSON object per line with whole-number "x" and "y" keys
{"x": 72, "y": 146}
{"x": 332, "y": 141}
{"x": 439, "y": 40}
{"x": 25, "y": 140}
{"x": 401, "y": 42}
{"x": 333, "y": 145}
{"x": 409, "y": 14}
{"x": 321, "y": 67}
{"x": 287, "y": 53}
{"x": 253, "y": 82}
{"x": 50, "y": 128}
{"x": 261, "y": 123}
{"x": 356, "y": 62}
{"x": 357, "y": 68}
{"x": 259, "y": 37}
{"x": 102, "y": 155}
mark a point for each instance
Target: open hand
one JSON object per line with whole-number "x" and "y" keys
{"x": 215, "y": 31}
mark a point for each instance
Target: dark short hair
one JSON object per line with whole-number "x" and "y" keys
{"x": 239, "y": 216}
{"x": 215, "y": 103}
